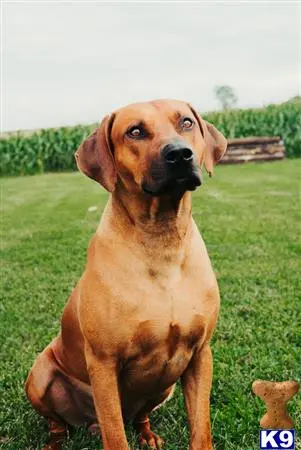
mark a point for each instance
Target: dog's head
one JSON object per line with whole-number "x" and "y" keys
{"x": 155, "y": 148}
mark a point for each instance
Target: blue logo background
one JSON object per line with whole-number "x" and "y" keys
{"x": 277, "y": 439}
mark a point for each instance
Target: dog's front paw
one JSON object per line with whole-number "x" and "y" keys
{"x": 147, "y": 437}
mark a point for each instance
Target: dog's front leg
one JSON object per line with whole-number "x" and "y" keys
{"x": 196, "y": 384}
{"x": 104, "y": 382}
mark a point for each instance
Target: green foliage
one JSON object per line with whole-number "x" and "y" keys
{"x": 48, "y": 150}
{"x": 52, "y": 150}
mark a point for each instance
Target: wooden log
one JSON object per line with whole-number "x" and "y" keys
{"x": 258, "y": 156}
{"x": 270, "y": 149}
{"x": 254, "y": 140}
{"x": 254, "y": 149}
{"x": 228, "y": 159}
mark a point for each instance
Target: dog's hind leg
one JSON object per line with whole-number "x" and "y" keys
{"x": 37, "y": 387}
{"x": 57, "y": 397}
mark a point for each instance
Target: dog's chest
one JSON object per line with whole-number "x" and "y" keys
{"x": 160, "y": 349}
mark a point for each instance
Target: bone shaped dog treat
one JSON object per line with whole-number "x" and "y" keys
{"x": 275, "y": 396}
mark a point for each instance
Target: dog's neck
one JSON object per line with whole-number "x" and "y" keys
{"x": 167, "y": 215}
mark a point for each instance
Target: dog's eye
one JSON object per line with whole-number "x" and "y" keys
{"x": 135, "y": 132}
{"x": 187, "y": 123}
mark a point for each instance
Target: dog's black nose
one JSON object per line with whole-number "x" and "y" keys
{"x": 177, "y": 153}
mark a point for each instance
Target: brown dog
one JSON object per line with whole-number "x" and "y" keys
{"x": 144, "y": 310}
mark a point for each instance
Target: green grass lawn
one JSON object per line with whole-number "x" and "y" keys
{"x": 249, "y": 217}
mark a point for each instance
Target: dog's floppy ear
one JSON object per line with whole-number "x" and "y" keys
{"x": 95, "y": 158}
{"x": 215, "y": 143}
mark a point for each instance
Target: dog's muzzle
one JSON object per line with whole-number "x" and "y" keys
{"x": 174, "y": 170}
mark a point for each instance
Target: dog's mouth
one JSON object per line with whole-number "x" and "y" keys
{"x": 178, "y": 184}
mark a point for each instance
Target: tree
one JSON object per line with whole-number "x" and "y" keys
{"x": 226, "y": 96}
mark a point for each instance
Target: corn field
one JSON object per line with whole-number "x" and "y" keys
{"x": 52, "y": 150}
